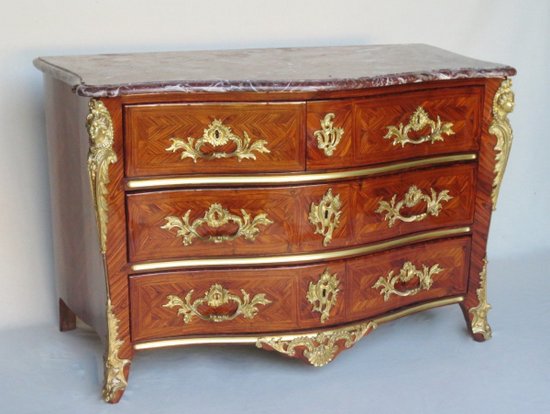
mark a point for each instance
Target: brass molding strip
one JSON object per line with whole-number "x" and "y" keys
{"x": 299, "y": 258}
{"x": 137, "y": 184}
{"x": 247, "y": 339}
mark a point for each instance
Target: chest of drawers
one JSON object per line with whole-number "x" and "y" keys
{"x": 290, "y": 199}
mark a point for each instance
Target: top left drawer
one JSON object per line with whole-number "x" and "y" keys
{"x": 171, "y": 139}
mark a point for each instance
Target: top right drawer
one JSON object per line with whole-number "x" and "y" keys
{"x": 394, "y": 127}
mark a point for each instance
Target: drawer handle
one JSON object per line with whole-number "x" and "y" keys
{"x": 325, "y": 216}
{"x": 417, "y": 122}
{"x": 218, "y": 135}
{"x": 215, "y": 217}
{"x": 323, "y": 294}
{"x": 328, "y": 137}
{"x": 407, "y": 273}
{"x": 216, "y": 297}
{"x": 413, "y": 197}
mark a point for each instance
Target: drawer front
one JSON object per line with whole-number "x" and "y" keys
{"x": 294, "y": 298}
{"x": 232, "y": 301}
{"x": 405, "y": 276}
{"x": 393, "y": 127}
{"x": 395, "y": 205}
{"x": 272, "y": 221}
{"x": 249, "y": 222}
{"x": 167, "y": 139}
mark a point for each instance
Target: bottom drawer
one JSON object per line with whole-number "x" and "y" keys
{"x": 296, "y": 297}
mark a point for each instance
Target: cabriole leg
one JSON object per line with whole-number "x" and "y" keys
{"x": 67, "y": 319}
{"x": 476, "y": 308}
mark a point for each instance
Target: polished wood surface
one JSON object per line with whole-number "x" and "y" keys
{"x": 78, "y": 264}
{"x": 287, "y": 289}
{"x": 67, "y": 319}
{"x": 143, "y": 125}
{"x": 483, "y": 207}
{"x": 149, "y": 129}
{"x": 288, "y": 208}
{"x": 461, "y": 106}
{"x": 366, "y": 301}
{"x": 365, "y": 123}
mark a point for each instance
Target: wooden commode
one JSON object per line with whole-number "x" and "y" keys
{"x": 290, "y": 199}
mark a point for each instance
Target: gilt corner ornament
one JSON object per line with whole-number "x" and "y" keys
{"x": 408, "y": 272}
{"x": 322, "y": 295}
{"x": 215, "y": 217}
{"x": 480, "y": 325}
{"x": 412, "y": 197}
{"x": 503, "y": 104}
{"x": 418, "y": 121}
{"x": 325, "y": 216}
{"x": 320, "y": 348}
{"x": 218, "y": 135}
{"x": 329, "y": 136}
{"x": 215, "y": 297}
{"x": 101, "y": 154}
{"x": 115, "y": 378}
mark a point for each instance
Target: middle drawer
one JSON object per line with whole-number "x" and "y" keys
{"x": 296, "y": 219}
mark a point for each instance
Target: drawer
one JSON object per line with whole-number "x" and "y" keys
{"x": 242, "y": 221}
{"x": 166, "y": 139}
{"x": 399, "y": 204}
{"x": 298, "y": 297}
{"x": 230, "y": 301}
{"x": 401, "y": 277}
{"x": 393, "y": 127}
{"x": 183, "y": 224}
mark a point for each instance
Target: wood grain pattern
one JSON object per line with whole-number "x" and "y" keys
{"x": 78, "y": 264}
{"x": 483, "y": 206}
{"x": 343, "y": 155}
{"x": 459, "y": 180}
{"x": 287, "y": 288}
{"x": 288, "y": 208}
{"x": 461, "y": 106}
{"x": 150, "y": 127}
{"x": 116, "y": 255}
{"x": 143, "y": 125}
{"x": 366, "y": 301}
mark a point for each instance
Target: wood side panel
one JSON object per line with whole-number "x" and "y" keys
{"x": 461, "y": 106}
{"x": 78, "y": 261}
{"x": 149, "y": 129}
{"x": 366, "y": 301}
{"x": 483, "y": 205}
{"x": 116, "y": 248}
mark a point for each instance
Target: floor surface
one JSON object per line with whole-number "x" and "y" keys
{"x": 424, "y": 363}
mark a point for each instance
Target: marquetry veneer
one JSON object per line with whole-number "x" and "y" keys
{"x": 295, "y": 213}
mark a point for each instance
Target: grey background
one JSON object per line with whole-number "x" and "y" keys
{"x": 424, "y": 363}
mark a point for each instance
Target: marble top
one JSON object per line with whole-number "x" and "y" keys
{"x": 262, "y": 70}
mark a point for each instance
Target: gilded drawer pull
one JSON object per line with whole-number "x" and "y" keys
{"x": 417, "y": 122}
{"x": 218, "y": 135}
{"x": 323, "y": 294}
{"x": 215, "y": 217}
{"x": 328, "y": 137}
{"x": 325, "y": 216}
{"x": 215, "y": 297}
{"x": 412, "y": 198}
{"x": 406, "y": 274}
